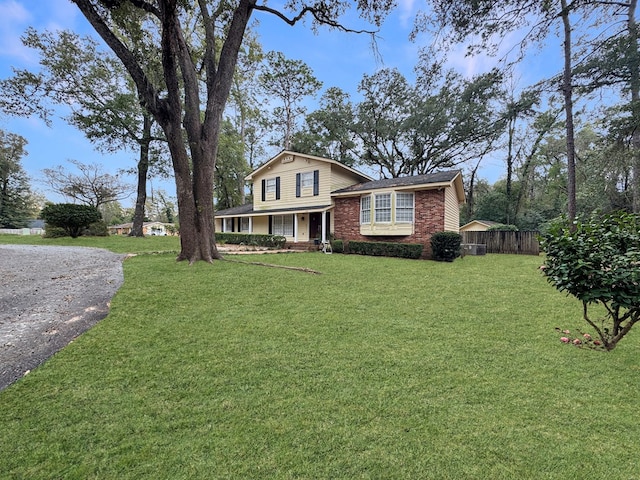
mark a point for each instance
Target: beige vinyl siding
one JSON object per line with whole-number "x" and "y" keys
{"x": 341, "y": 178}
{"x": 261, "y": 225}
{"x": 287, "y": 173}
{"x": 451, "y": 210}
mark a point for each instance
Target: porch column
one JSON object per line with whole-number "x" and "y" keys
{"x": 295, "y": 228}
{"x": 250, "y": 224}
{"x": 324, "y": 227}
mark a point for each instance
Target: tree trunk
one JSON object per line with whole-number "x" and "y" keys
{"x": 143, "y": 169}
{"x": 511, "y": 133}
{"x": 567, "y": 90}
{"x": 181, "y": 106}
{"x": 634, "y": 86}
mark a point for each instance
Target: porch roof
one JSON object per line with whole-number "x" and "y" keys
{"x": 248, "y": 211}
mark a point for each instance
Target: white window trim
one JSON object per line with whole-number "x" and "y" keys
{"x": 270, "y": 185}
{"x": 377, "y": 211}
{"x": 279, "y": 226}
{"x": 306, "y": 180}
{"x": 364, "y": 211}
{"x": 413, "y": 207}
{"x": 393, "y": 210}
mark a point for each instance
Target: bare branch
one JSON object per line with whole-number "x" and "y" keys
{"x": 319, "y": 15}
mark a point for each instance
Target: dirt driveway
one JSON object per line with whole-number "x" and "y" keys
{"x": 49, "y": 296}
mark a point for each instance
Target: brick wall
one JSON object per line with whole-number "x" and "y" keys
{"x": 429, "y": 219}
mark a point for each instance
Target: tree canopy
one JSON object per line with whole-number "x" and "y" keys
{"x": 200, "y": 43}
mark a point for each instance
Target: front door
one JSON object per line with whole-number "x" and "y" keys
{"x": 315, "y": 225}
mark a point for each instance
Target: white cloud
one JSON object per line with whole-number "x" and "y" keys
{"x": 14, "y": 18}
{"x": 407, "y": 12}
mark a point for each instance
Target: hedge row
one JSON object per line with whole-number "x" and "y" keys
{"x": 260, "y": 240}
{"x": 386, "y": 249}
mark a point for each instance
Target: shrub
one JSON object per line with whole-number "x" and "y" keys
{"x": 96, "y": 229}
{"x": 337, "y": 246}
{"x": 54, "y": 232}
{"x": 445, "y": 246}
{"x": 598, "y": 262}
{"x": 70, "y": 217}
{"x": 386, "y": 249}
{"x": 261, "y": 240}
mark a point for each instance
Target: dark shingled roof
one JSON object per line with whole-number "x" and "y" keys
{"x": 242, "y": 209}
{"x": 439, "y": 177}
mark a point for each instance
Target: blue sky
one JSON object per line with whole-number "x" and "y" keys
{"x": 337, "y": 59}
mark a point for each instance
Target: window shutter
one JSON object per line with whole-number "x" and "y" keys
{"x": 277, "y": 188}
{"x": 297, "y": 185}
{"x": 270, "y": 225}
{"x": 316, "y": 182}
{"x": 264, "y": 189}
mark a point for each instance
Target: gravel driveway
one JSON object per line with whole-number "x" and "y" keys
{"x": 49, "y": 296}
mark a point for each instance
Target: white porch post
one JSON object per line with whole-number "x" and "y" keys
{"x": 324, "y": 227}
{"x": 250, "y": 224}
{"x": 295, "y": 228}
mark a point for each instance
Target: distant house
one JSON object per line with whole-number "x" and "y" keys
{"x": 148, "y": 228}
{"x": 303, "y": 197}
{"x": 478, "y": 226}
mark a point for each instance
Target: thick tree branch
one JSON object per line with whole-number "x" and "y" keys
{"x": 146, "y": 90}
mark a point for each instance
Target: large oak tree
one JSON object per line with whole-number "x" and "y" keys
{"x": 200, "y": 42}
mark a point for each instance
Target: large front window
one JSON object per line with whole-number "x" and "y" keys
{"x": 404, "y": 207}
{"x": 387, "y": 213}
{"x": 283, "y": 225}
{"x": 382, "y": 212}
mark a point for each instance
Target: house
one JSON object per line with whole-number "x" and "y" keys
{"x": 303, "y": 197}
{"x": 478, "y": 226}
{"x": 148, "y": 228}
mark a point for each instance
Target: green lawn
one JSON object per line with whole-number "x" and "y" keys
{"x": 378, "y": 368}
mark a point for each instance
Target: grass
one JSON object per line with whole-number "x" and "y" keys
{"x": 378, "y": 368}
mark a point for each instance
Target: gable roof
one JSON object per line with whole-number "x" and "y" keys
{"x": 486, "y": 223}
{"x": 430, "y": 180}
{"x": 285, "y": 153}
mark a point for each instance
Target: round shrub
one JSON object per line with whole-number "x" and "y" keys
{"x": 445, "y": 246}
{"x": 74, "y": 219}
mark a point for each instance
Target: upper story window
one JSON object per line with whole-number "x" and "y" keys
{"x": 306, "y": 179}
{"x": 308, "y": 183}
{"x": 271, "y": 189}
{"x": 382, "y": 208}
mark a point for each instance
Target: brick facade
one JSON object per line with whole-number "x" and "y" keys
{"x": 429, "y": 219}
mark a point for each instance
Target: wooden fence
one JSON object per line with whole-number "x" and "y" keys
{"x": 522, "y": 243}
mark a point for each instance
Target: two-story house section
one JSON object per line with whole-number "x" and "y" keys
{"x": 291, "y": 197}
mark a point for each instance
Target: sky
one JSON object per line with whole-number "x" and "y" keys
{"x": 336, "y": 58}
